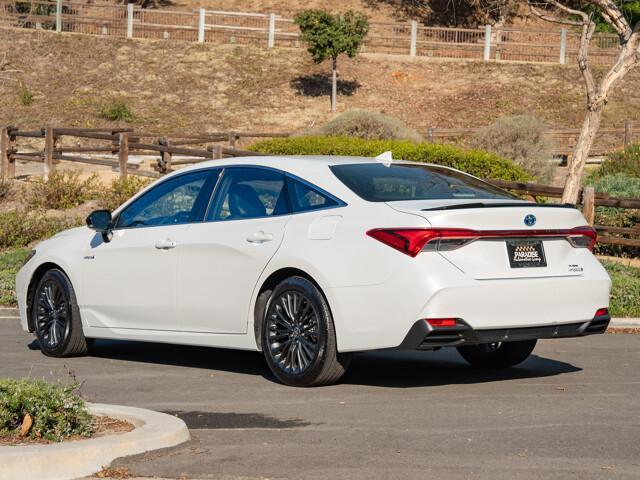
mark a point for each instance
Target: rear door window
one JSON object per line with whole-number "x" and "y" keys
{"x": 247, "y": 192}
{"x": 305, "y": 197}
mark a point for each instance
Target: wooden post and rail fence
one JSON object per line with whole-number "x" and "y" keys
{"x": 178, "y": 150}
{"x": 123, "y": 143}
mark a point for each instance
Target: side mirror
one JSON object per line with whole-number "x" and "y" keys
{"x": 101, "y": 222}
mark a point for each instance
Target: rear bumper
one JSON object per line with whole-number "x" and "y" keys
{"x": 371, "y": 317}
{"x": 423, "y": 336}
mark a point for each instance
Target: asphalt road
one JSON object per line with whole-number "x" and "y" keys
{"x": 571, "y": 411}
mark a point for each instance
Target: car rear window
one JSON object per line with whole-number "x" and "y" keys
{"x": 379, "y": 182}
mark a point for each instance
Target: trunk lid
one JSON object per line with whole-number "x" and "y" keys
{"x": 489, "y": 258}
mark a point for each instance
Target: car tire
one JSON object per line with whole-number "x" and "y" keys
{"x": 497, "y": 355}
{"x": 298, "y": 336}
{"x": 56, "y": 317}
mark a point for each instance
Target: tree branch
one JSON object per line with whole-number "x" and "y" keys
{"x": 588, "y": 29}
{"x": 614, "y": 16}
{"x": 570, "y": 11}
{"x": 549, "y": 18}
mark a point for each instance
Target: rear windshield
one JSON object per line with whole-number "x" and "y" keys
{"x": 378, "y": 182}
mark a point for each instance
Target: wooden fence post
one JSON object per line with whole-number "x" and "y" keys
{"x": 271, "y": 39}
{"x": 233, "y": 136}
{"x": 589, "y": 204}
{"x": 11, "y": 171}
{"x": 487, "y": 43}
{"x": 4, "y": 153}
{"x": 165, "y": 157}
{"x": 414, "y": 38}
{"x": 130, "y": 20}
{"x": 58, "y": 16}
{"x": 563, "y": 46}
{"x": 216, "y": 152}
{"x": 49, "y": 145}
{"x": 628, "y": 133}
{"x": 123, "y": 153}
{"x": 201, "y": 19}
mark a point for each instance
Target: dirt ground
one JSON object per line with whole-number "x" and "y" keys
{"x": 186, "y": 87}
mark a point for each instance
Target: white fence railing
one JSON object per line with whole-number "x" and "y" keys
{"x": 271, "y": 30}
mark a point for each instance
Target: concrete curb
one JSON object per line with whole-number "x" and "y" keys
{"x": 624, "y": 323}
{"x": 77, "y": 459}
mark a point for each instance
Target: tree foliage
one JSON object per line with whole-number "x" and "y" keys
{"x": 329, "y": 36}
{"x": 455, "y": 13}
{"x": 630, "y": 9}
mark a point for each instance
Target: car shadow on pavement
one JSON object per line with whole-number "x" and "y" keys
{"x": 406, "y": 369}
{"x": 388, "y": 368}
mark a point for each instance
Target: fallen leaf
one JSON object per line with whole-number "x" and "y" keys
{"x": 27, "y": 423}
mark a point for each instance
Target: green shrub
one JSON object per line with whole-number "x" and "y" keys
{"x": 617, "y": 185}
{"x": 122, "y": 190}
{"x": 116, "y": 110}
{"x": 19, "y": 228}
{"x": 520, "y": 139}
{"x": 10, "y": 263}
{"x": 26, "y": 96}
{"x": 369, "y": 125}
{"x": 625, "y": 290}
{"x": 58, "y": 411}
{"x": 625, "y": 161}
{"x": 62, "y": 190}
{"x": 478, "y": 163}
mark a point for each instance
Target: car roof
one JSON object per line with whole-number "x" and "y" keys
{"x": 284, "y": 161}
{"x": 295, "y": 164}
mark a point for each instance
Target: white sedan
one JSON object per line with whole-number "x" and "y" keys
{"x": 312, "y": 258}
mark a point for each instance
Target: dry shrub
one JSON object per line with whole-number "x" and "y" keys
{"x": 520, "y": 139}
{"x": 368, "y": 125}
{"x": 63, "y": 190}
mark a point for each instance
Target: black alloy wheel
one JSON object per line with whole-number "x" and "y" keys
{"x": 56, "y": 317}
{"x": 298, "y": 336}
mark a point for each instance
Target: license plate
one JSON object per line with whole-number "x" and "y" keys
{"x": 526, "y": 253}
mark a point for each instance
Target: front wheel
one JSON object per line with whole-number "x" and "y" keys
{"x": 298, "y": 336}
{"x": 56, "y": 316}
{"x": 497, "y": 354}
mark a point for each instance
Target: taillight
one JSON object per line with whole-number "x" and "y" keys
{"x": 442, "y": 322}
{"x": 412, "y": 241}
{"x": 582, "y": 237}
{"x": 601, "y": 312}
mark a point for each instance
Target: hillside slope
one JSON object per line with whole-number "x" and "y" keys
{"x": 376, "y": 11}
{"x": 182, "y": 87}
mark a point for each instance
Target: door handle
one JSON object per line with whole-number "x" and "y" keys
{"x": 166, "y": 244}
{"x": 259, "y": 237}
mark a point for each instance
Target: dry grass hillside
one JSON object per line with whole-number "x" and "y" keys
{"x": 182, "y": 87}
{"x": 376, "y": 11}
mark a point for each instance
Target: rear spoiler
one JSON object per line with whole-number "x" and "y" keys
{"x": 460, "y": 206}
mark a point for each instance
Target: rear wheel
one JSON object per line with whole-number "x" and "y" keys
{"x": 497, "y": 354}
{"x": 298, "y": 336}
{"x": 56, "y": 316}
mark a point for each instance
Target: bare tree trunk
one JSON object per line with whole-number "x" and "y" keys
{"x": 588, "y": 133}
{"x": 597, "y": 92}
{"x": 334, "y": 85}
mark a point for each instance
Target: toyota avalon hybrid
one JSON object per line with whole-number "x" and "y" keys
{"x": 309, "y": 259}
